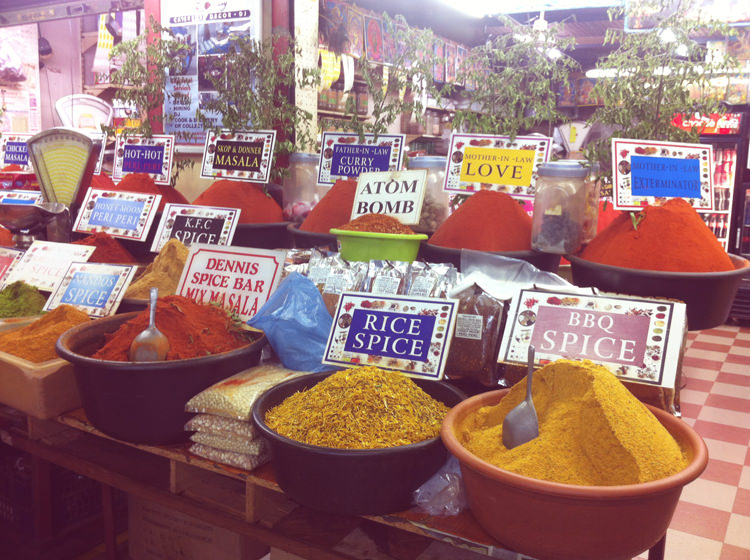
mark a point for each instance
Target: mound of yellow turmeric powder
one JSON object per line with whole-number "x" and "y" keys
{"x": 592, "y": 431}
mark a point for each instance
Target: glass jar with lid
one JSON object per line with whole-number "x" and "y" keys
{"x": 436, "y": 200}
{"x": 299, "y": 189}
{"x": 559, "y": 207}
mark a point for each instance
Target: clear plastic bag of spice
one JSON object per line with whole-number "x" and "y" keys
{"x": 386, "y": 277}
{"x": 476, "y": 338}
{"x": 431, "y": 279}
{"x": 343, "y": 276}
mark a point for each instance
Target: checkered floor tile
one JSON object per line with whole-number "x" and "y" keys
{"x": 712, "y": 521}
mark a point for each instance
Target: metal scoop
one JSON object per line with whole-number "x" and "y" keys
{"x": 151, "y": 345}
{"x": 521, "y": 425}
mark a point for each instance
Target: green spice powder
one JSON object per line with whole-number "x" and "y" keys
{"x": 20, "y": 299}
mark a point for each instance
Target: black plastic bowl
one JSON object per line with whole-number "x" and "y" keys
{"x": 310, "y": 239}
{"x": 351, "y": 481}
{"x": 143, "y": 402}
{"x": 708, "y": 295}
{"x": 273, "y": 235}
{"x": 548, "y": 262}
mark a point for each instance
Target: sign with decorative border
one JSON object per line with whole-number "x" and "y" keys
{"x": 196, "y": 224}
{"x": 637, "y": 339}
{"x": 343, "y": 157}
{"x": 484, "y": 161}
{"x": 244, "y": 155}
{"x": 240, "y": 279}
{"x": 43, "y": 264}
{"x": 408, "y": 334}
{"x": 100, "y": 159}
{"x": 398, "y": 194}
{"x": 14, "y": 151}
{"x": 135, "y": 153}
{"x": 8, "y": 258}
{"x": 95, "y": 288}
{"x": 21, "y": 197}
{"x": 646, "y": 172}
{"x": 128, "y": 215}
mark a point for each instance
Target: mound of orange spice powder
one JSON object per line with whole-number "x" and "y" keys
{"x": 256, "y": 206}
{"x": 377, "y": 223}
{"x": 671, "y": 237}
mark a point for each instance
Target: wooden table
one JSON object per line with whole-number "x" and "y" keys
{"x": 247, "y": 503}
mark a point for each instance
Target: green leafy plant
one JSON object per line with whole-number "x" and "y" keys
{"x": 513, "y": 79}
{"x": 252, "y": 83}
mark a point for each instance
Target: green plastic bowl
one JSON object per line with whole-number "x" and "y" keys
{"x": 367, "y": 245}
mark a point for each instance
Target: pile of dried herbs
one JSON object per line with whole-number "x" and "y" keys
{"x": 359, "y": 408}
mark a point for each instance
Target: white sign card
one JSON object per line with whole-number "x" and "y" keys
{"x": 239, "y": 279}
{"x": 398, "y": 194}
{"x": 196, "y": 224}
{"x": 14, "y": 151}
{"x": 243, "y": 155}
{"x": 637, "y": 339}
{"x": 408, "y": 334}
{"x": 134, "y": 153}
{"x": 645, "y": 172}
{"x": 481, "y": 161}
{"x": 94, "y": 288}
{"x": 8, "y": 258}
{"x": 21, "y": 197}
{"x": 43, "y": 264}
{"x": 344, "y": 156}
{"x": 128, "y": 215}
{"x": 100, "y": 159}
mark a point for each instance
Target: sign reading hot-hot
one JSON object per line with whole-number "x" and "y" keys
{"x": 240, "y": 279}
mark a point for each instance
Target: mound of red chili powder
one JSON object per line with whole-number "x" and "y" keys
{"x": 107, "y": 249}
{"x": 671, "y": 237}
{"x": 144, "y": 183}
{"x": 487, "y": 221}
{"x": 256, "y": 206}
{"x": 334, "y": 209}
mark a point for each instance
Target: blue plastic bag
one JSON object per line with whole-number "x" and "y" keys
{"x": 296, "y": 323}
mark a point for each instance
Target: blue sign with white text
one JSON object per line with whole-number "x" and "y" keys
{"x": 116, "y": 213}
{"x": 16, "y": 152}
{"x": 89, "y": 289}
{"x": 668, "y": 177}
{"x": 349, "y": 160}
{"x": 385, "y": 333}
{"x": 143, "y": 159}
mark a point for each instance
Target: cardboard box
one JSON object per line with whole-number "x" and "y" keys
{"x": 156, "y": 532}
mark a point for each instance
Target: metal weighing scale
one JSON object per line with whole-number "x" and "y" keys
{"x": 63, "y": 160}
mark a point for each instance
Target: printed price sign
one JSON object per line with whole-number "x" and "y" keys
{"x": 196, "y": 224}
{"x": 21, "y": 197}
{"x": 119, "y": 213}
{"x": 8, "y": 258}
{"x": 15, "y": 151}
{"x": 398, "y": 194}
{"x": 478, "y": 160}
{"x": 637, "y": 339}
{"x": 43, "y": 264}
{"x": 94, "y": 288}
{"x": 239, "y": 155}
{"x": 240, "y": 279}
{"x": 343, "y": 156}
{"x": 135, "y": 153}
{"x": 407, "y": 334}
{"x": 645, "y": 172}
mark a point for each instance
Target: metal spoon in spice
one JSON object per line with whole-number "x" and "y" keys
{"x": 151, "y": 345}
{"x": 521, "y": 424}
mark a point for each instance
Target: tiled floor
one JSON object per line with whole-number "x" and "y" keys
{"x": 712, "y": 521}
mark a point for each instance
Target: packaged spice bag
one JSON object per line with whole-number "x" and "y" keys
{"x": 239, "y": 460}
{"x": 431, "y": 279}
{"x": 343, "y": 276}
{"x": 473, "y": 350}
{"x": 386, "y": 277}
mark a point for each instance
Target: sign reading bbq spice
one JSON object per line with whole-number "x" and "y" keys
{"x": 94, "y": 288}
{"x": 398, "y": 194}
{"x": 647, "y": 170}
{"x": 135, "y": 153}
{"x": 344, "y": 156}
{"x": 480, "y": 160}
{"x": 196, "y": 224}
{"x": 637, "y": 339}
{"x": 124, "y": 214}
{"x": 239, "y": 155}
{"x": 402, "y": 333}
{"x": 239, "y": 279}
{"x": 14, "y": 151}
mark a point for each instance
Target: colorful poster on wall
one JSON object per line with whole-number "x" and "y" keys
{"x": 19, "y": 79}
{"x": 208, "y": 30}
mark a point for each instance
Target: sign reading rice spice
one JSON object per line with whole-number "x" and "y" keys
{"x": 398, "y": 194}
{"x": 239, "y": 279}
{"x": 408, "y": 334}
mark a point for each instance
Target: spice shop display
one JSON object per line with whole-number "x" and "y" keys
{"x": 379, "y": 470}
{"x": 108, "y": 249}
{"x": 163, "y": 273}
{"x": 19, "y": 299}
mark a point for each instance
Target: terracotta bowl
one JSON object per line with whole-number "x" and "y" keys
{"x": 708, "y": 295}
{"x": 143, "y": 402}
{"x": 568, "y": 522}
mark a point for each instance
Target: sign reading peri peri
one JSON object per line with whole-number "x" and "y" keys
{"x": 239, "y": 155}
{"x": 345, "y": 155}
{"x": 124, "y": 214}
